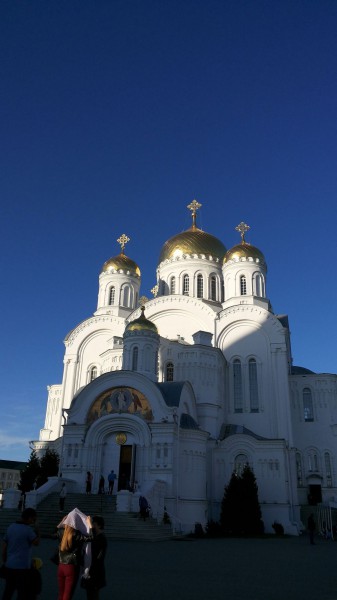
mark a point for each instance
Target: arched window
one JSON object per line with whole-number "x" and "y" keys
{"x": 299, "y": 469}
{"x": 327, "y": 462}
{"x": 173, "y": 285}
{"x": 237, "y": 376}
{"x": 134, "y": 359}
{"x": 253, "y": 388}
{"x": 241, "y": 461}
{"x": 126, "y": 296}
{"x": 93, "y": 373}
{"x": 112, "y": 295}
{"x": 200, "y": 286}
{"x": 186, "y": 285}
{"x": 307, "y": 405}
{"x": 169, "y": 372}
{"x": 258, "y": 286}
{"x": 243, "y": 285}
{"x": 213, "y": 287}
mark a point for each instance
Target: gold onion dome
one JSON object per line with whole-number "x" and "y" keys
{"x": 192, "y": 241}
{"x": 141, "y": 324}
{"x": 122, "y": 262}
{"x": 244, "y": 249}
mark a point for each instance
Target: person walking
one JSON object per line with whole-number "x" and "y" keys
{"x": 311, "y": 528}
{"x": 74, "y": 531}
{"x": 62, "y": 497}
{"x": 16, "y": 555}
{"x": 96, "y": 575}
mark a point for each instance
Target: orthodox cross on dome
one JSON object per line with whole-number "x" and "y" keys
{"x": 143, "y": 300}
{"x": 194, "y": 206}
{"x": 242, "y": 228}
{"x": 154, "y": 290}
{"x": 123, "y": 240}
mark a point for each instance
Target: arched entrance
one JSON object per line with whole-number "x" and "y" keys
{"x": 120, "y": 455}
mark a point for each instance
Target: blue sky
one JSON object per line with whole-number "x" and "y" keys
{"x": 114, "y": 116}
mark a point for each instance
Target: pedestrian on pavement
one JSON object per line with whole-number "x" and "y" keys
{"x": 74, "y": 531}
{"x": 96, "y": 575}
{"x": 311, "y": 527}
{"x": 16, "y": 555}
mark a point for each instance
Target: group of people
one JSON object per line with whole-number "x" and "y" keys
{"x": 111, "y": 482}
{"x": 81, "y": 553}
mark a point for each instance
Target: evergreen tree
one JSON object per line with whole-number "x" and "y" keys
{"x": 49, "y": 466}
{"x": 240, "y": 509}
{"x": 30, "y": 473}
{"x": 251, "y": 517}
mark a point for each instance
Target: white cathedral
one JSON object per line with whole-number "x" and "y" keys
{"x": 176, "y": 392}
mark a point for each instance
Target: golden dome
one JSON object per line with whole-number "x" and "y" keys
{"x": 244, "y": 250}
{"x": 121, "y": 263}
{"x": 192, "y": 241}
{"x": 141, "y": 324}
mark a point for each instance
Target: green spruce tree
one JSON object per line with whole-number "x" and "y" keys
{"x": 30, "y": 473}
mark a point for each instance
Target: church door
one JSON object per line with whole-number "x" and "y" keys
{"x": 127, "y": 461}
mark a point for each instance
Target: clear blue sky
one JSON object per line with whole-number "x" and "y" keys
{"x": 114, "y": 116}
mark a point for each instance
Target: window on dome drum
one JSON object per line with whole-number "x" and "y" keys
{"x": 93, "y": 373}
{"x": 241, "y": 461}
{"x": 308, "y": 405}
{"x": 253, "y": 387}
{"x": 257, "y": 282}
{"x": 237, "y": 377}
{"x": 126, "y": 296}
{"x": 112, "y": 295}
{"x": 327, "y": 462}
{"x": 213, "y": 287}
{"x": 186, "y": 285}
{"x": 243, "y": 285}
{"x": 200, "y": 286}
{"x": 173, "y": 285}
{"x": 134, "y": 359}
{"x": 169, "y": 372}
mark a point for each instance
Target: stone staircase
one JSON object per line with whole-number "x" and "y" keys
{"x": 118, "y": 525}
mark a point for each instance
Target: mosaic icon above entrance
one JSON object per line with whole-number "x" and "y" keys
{"x": 120, "y": 400}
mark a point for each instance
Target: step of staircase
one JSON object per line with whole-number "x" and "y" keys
{"x": 118, "y": 525}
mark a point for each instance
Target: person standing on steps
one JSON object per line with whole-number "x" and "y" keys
{"x": 62, "y": 497}
{"x": 111, "y": 480}
{"x": 88, "y": 483}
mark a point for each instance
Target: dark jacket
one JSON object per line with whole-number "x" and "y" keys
{"x": 73, "y": 556}
{"x": 97, "y": 570}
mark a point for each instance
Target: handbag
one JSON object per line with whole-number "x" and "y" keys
{"x": 55, "y": 557}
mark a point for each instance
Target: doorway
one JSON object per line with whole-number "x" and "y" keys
{"x": 126, "y": 472}
{"x": 315, "y": 494}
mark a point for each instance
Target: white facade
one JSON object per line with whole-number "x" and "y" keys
{"x": 178, "y": 397}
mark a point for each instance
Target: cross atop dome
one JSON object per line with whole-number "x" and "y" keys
{"x": 242, "y": 228}
{"x": 194, "y": 206}
{"x": 123, "y": 240}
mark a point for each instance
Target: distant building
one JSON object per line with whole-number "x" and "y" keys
{"x": 10, "y": 474}
{"x": 176, "y": 400}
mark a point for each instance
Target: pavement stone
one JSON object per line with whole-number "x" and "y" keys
{"x": 286, "y": 568}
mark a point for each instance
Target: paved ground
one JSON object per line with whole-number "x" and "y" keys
{"x": 203, "y": 569}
